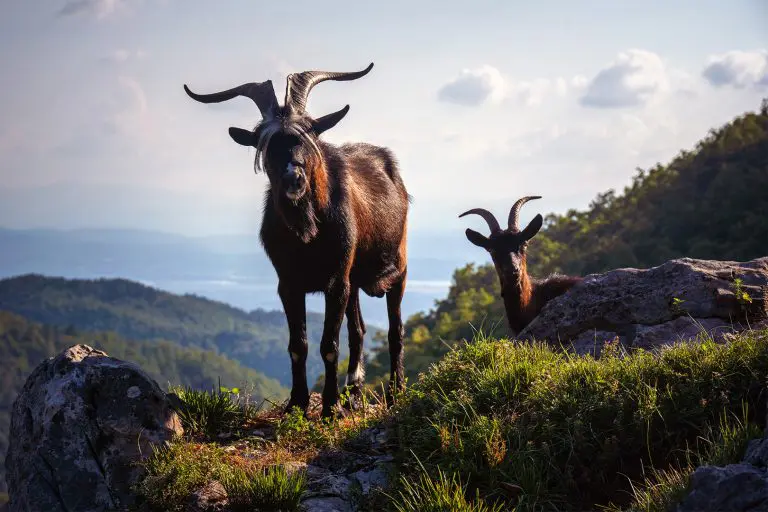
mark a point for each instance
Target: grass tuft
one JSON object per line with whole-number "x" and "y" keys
{"x": 439, "y": 494}
{"x": 209, "y": 413}
{"x": 175, "y": 472}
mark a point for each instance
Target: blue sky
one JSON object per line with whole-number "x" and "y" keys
{"x": 483, "y": 102}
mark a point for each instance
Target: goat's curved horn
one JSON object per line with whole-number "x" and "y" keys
{"x": 493, "y": 224}
{"x": 262, "y": 93}
{"x": 299, "y": 84}
{"x": 514, "y": 212}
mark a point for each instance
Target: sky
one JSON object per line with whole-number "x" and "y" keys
{"x": 482, "y": 102}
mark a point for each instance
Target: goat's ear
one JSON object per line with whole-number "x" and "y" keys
{"x": 533, "y": 227}
{"x": 242, "y": 137}
{"x": 328, "y": 121}
{"x": 477, "y": 239}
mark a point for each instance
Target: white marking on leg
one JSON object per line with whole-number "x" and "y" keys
{"x": 357, "y": 376}
{"x": 294, "y": 357}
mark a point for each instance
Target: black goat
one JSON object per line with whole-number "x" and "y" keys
{"x": 334, "y": 222}
{"x": 523, "y": 297}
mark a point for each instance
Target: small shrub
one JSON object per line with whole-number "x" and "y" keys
{"x": 209, "y": 413}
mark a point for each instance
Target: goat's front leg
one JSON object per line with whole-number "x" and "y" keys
{"x": 295, "y": 313}
{"x": 336, "y": 298}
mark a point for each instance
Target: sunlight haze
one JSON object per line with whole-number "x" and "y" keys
{"x": 482, "y": 103}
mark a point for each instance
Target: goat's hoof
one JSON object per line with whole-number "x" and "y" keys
{"x": 301, "y": 404}
{"x": 389, "y": 395}
{"x": 331, "y": 412}
{"x": 354, "y": 400}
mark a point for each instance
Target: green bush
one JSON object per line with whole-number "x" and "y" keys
{"x": 574, "y": 431}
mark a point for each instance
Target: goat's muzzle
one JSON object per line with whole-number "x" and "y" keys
{"x": 293, "y": 182}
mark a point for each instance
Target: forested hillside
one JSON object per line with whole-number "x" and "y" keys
{"x": 709, "y": 202}
{"x": 24, "y": 344}
{"x": 257, "y": 339}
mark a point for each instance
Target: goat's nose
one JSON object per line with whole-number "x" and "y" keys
{"x": 292, "y": 179}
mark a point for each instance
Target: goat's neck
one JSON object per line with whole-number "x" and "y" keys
{"x": 518, "y": 295}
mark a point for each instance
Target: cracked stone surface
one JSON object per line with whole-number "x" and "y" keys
{"x": 78, "y": 426}
{"x": 638, "y": 305}
{"x": 338, "y": 481}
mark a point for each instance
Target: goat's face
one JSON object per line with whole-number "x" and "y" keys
{"x": 507, "y": 247}
{"x": 288, "y": 163}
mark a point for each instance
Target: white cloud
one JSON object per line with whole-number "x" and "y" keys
{"x": 738, "y": 69}
{"x": 534, "y": 92}
{"x": 634, "y": 78}
{"x": 486, "y": 84}
{"x": 474, "y": 87}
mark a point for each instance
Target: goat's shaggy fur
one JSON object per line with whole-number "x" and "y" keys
{"x": 334, "y": 222}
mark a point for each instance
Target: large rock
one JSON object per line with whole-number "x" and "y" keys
{"x": 650, "y": 307}
{"x": 733, "y": 488}
{"x": 78, "y": 427}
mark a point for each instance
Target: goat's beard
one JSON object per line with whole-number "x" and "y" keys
{"x": 299, "y": 215}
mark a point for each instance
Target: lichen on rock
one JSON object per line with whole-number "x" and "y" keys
{"x": 78, "y": 427}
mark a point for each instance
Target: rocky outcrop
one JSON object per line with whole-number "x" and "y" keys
{"x": 78, "y": 427}
{"x": 344, "y": 481}
{"x": 646, "y": 308}
{"x": 212, "y": 497}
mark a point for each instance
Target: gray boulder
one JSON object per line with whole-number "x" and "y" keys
{"x": 645, "y": 308}
{"x": 733, "y": 488}
{"x": 78, "y": 427}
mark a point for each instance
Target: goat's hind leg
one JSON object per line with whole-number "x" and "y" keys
{"x": 395, "y": 338}
{"x": 356, "y": 369}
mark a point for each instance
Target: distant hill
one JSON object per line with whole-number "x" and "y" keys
{"x": 24, "y": 344}
{"x": 257, "y": 339}
{"x": 710, "y": 202}
{"x": 229, "y": 268}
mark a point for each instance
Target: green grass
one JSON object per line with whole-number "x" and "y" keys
{"x": 177, "y": 471}
{"x": 501, "y": 425}
{"x": 663, "y": 489}
{"x": 208, "y": 414}
{"x": 439, "y": 494}
{"x": 575, "y": 432}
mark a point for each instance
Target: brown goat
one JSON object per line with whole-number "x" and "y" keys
{"x": 523, "y": 297}
{"x": 334, "y": 222}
